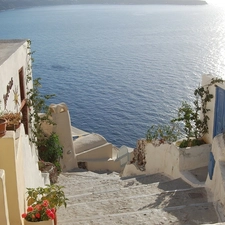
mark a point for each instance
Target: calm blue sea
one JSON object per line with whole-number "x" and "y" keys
{"x": 121, "y": 69}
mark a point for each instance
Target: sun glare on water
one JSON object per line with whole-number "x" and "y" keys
{"x": 216, "y": 2}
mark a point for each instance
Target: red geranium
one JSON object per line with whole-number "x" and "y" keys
{"x": 39, "y": 212}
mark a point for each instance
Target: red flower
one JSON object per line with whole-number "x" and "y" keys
{"x": 50, "y": 214}
{"x": 29, "y": 209}
{"x": 48, "y": 211}
{"x": 24, "y": 215}
{"x": 53, "y": 210}
{"x": 38, "y": 215}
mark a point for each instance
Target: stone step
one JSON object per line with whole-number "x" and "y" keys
{"x": 181, "y": 215}
{"x": 80, "y": 183}
{"x": 105, "y": 198}
{"x": 129, "y": 190}
{"x": 95, "y": 204}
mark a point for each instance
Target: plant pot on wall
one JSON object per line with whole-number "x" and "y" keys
{"x": 13, "y": 120}
{"x": 3, "y": 124}
{"x": 46, "y": 222}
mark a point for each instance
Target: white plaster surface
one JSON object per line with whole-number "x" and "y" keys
{"x": 32, "y": 175}
{"x": 216, "y": 186}
{"x": 13, "y": 57}
{"x": 171, "y": 160}
{"x": 61, "y": 117}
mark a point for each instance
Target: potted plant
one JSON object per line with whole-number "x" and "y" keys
{"x": 40, "y": 212}
{"x": 53, "y": 194}
{"x": 13, "y": 119}
{"x": 161, "y": 134}
{"x": 188, "y": 118}
{"x": 3, "y": 124}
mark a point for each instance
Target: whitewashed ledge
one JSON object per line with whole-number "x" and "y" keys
{"x": 77, "y": 132}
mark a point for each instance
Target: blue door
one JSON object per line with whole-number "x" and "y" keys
{"x": 219, "y": 122}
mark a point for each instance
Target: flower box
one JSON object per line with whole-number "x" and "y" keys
{"x": 46, "y": 222}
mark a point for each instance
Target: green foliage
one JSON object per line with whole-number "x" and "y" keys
{"x": 188, "y": 120}
{"x": 51, "y": 150}
{"x": 53, "y": 193}
{"x": 185, "y": 114}
{"x": 189, "y": 116}
{"x": 190, "y": 143}
{"x": 163, "y": 133}
{"x": 36, "y": 103}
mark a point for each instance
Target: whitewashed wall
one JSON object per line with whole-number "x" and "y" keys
{"x": 217, "y": 184}
{"x": 10, "y": 69}
{"x": 171, "y": 160}
{"x": 206, "y": 79}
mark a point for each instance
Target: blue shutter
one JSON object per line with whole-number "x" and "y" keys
{"x": 211, "y": 165}
{"x": 219, "y": 121}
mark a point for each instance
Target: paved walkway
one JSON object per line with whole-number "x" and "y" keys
{"x": 106, "y": 199}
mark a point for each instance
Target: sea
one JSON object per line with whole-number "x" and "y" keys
{"x": 121, "y": 68}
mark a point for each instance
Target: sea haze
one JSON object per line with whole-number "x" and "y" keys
{"x": 121, "y": 69}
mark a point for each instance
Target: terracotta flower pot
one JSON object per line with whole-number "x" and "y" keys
{"x": 3, "y": 124}
{"x": 47, "y": 222}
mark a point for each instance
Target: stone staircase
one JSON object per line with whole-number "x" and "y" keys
{"x": 105, "y": 198}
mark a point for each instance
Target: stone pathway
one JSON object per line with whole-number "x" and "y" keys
{"x": 101, "y": 199}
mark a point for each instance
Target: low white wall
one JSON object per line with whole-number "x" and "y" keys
{"x": 159, "y": 159}
{"x": 206, "y": 79}
{"x": 194, "y": 157}
{"x": 217, "y": 184}
{"x": 170, "y": 160}
{"x": 4, "y": 215}
{"x": 33, "y": 176}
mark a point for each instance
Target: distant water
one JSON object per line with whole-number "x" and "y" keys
{"x": 121, "y": 69}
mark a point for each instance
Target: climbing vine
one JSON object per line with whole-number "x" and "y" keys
{"x": 49, "y": 147}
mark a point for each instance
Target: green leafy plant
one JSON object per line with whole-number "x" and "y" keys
{"x": 51, "y": 150}
{"x": 188, "y": 117}
{"x": 36, "y": 103}
{"x": 185, "y": 114}
{"x": 159, "y": 134}
{"x": 49, "y": 147}
{"x": 54, "y": 194}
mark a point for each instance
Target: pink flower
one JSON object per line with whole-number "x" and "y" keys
{"x": 38, "y": 207}
{"x": 45, "y": 203}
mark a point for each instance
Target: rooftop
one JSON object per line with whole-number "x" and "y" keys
{"x": 8, "y": 47}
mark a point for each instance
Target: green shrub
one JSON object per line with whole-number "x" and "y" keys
{"x": 51, "y": 150}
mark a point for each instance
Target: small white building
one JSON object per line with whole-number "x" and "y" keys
{"x": 18, "y": 161}
{"x": 19, "y": 157}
